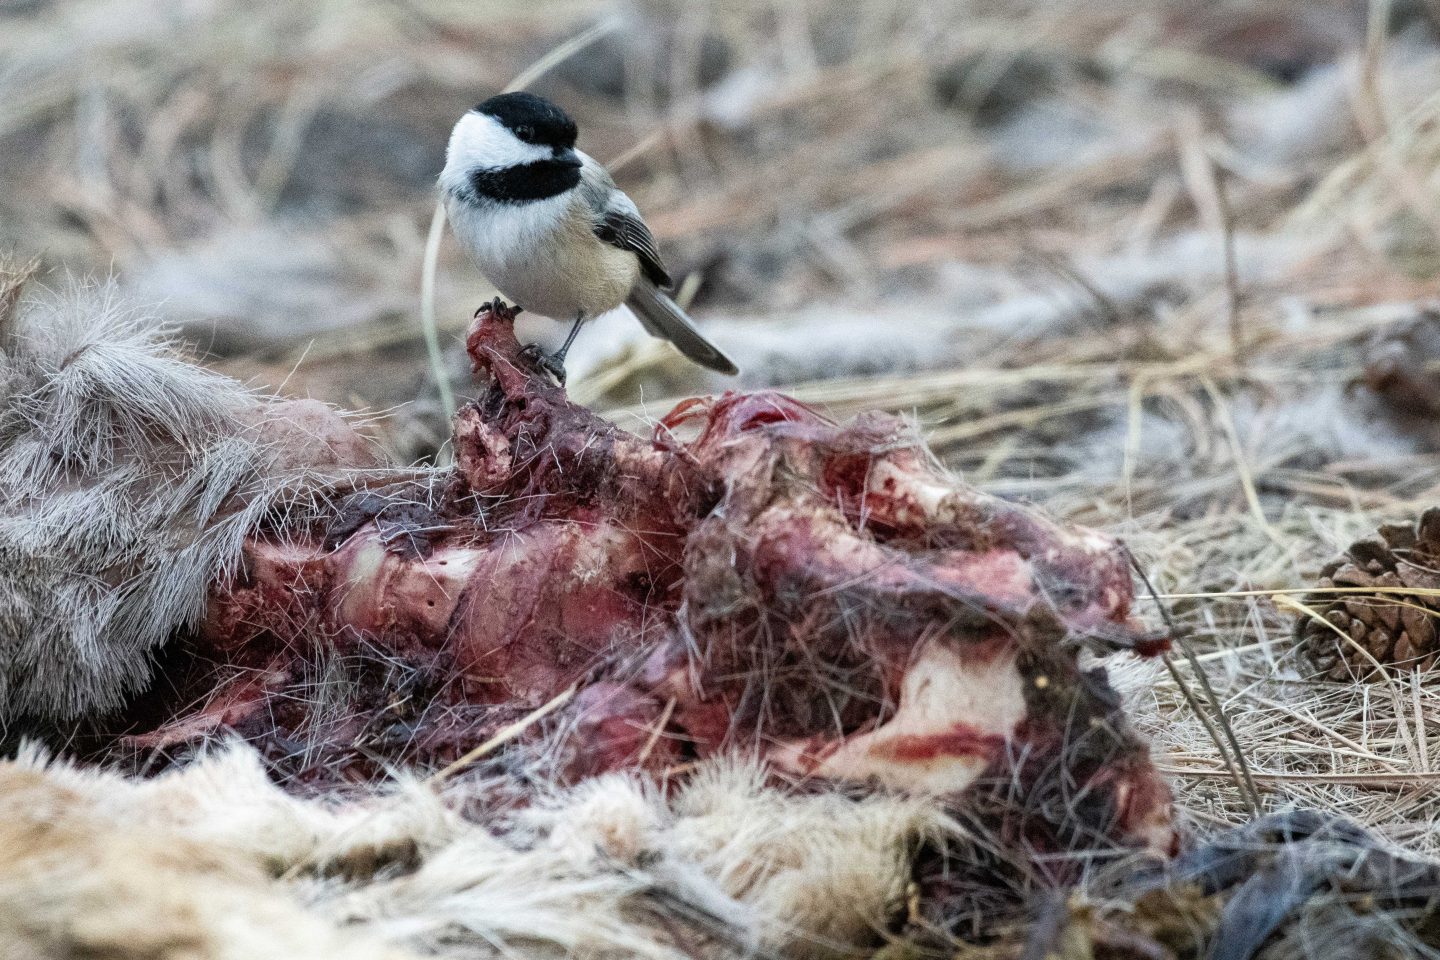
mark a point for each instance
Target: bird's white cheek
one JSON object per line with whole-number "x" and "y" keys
{"x": 482, "y": 142}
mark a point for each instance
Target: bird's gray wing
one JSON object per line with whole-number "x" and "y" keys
{"x": 627, "y": 231}
{"x": 618, "y": 221}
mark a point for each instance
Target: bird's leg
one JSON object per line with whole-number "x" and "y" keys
{"x": 554, "y": 363}
{"x": 559, "y": 355}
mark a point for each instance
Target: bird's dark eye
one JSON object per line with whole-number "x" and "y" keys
{"x": 525, "y": 133}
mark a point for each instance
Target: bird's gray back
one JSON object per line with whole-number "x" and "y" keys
{"x": 599, "y": 192}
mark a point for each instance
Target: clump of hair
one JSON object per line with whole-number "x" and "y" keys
{"x": 129, "y": 479}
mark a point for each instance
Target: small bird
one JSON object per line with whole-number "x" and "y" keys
{"x": 546, "y": 224}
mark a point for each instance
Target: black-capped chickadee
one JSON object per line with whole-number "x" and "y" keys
{"x": 546, "y": 224}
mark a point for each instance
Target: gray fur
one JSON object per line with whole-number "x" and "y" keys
{"x": 129, "y": 480}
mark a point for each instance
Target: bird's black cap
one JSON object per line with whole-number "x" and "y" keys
{"x": 531, "y": 118}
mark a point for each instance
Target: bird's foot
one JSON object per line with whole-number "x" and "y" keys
{"x": 496, "y": 306}
{"x": 553, "y": 364}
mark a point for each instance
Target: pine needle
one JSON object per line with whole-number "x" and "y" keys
{"x": 504, "y": 736}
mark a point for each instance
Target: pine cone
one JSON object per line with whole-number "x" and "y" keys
{"x": 1394, "y": 629}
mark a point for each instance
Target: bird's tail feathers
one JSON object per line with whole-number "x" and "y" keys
{"x": 663, "y": 318}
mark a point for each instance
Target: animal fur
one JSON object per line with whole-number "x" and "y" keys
{"x": 213, "y": 861}
{"x": 181, "y": 867}
{"x": 134, "y": 478}
{"x": 129, "y": 479}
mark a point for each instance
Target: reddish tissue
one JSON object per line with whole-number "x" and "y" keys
{"x": 753, "y": 578}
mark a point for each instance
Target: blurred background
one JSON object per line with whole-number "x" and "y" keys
{"x": 885, "y": 190}
{"x": 1164, "y": 267}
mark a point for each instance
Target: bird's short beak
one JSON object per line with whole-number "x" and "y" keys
{"x": 568, "y": 157}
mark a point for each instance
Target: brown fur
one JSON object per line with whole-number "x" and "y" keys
{"x": 76, "y": 882}
{"x": 213, "y": 862}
